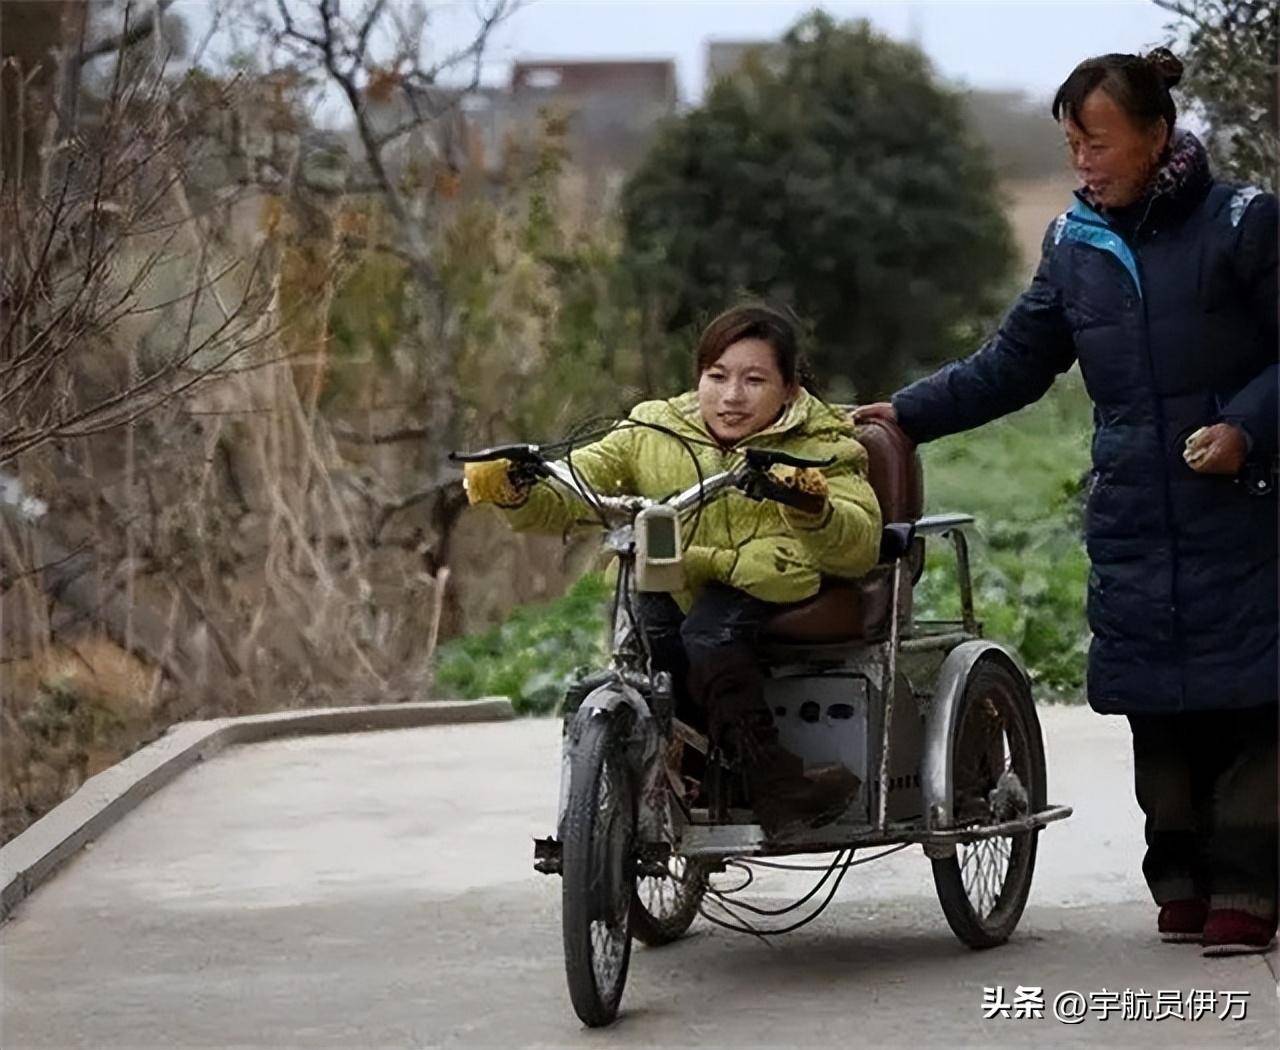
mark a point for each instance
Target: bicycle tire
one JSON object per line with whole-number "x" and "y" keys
{"x": 598, "y": 867}
{"x": 996, "y": 711}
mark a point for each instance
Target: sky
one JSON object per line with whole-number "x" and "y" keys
{"x": 1022, "y": 45}
{"x": 1028, "y": 45}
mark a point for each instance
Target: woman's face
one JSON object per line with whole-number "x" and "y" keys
{"x": 743, "y": 391}
{"x": 1115, "y": 159}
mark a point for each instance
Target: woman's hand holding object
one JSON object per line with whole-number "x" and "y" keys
{"x": 491, "y": 482}
{"x": 1218, "y": 449}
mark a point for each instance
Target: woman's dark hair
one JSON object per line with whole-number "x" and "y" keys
{"x": 753, "y": 320}
{"x": 1138, "y": 84}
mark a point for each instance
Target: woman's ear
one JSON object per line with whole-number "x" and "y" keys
{"x": 1161, "y": 136}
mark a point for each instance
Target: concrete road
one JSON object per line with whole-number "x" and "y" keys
{"x": 375, "y": 890}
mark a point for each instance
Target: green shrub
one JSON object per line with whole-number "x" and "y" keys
{"x": 61, "y": 714}
{"x": 1022, "y": 479}
{"x": 534, "y": 655}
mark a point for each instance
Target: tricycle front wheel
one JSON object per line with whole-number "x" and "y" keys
{"x": 598, "y": 866}
{"x": 998, "y": 775}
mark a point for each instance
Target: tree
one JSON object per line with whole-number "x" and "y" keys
{"x": 422, "y": 98}
{"x": 837, "y": 175}
{"x": 1230, "y": 49}
{"x": 187, "y": 533}
{"x": 91, "y": 168}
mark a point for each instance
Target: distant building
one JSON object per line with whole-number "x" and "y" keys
{"x": 613, "y": 108}
{"x": 610, "y": 109}
{"x": 727, "y": 57}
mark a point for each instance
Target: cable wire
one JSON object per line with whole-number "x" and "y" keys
{"x": 579, "y": 433}
{"x": 757, "y": 863}
{"x": 774, "y": 912}
{"x": 591, "y": 496}
{"x": 719, "y": 897}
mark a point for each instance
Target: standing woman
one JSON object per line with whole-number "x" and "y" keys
{"x": 1161, "y": 281}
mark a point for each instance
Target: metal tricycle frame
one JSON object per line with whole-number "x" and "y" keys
{"x": 940, "y": 652}
{"x": 916, "y": 697}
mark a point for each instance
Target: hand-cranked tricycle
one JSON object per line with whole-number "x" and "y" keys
{"x": 937, "y": 724}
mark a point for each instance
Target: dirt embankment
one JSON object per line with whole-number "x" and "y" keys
{"x": 1032, "y": 205}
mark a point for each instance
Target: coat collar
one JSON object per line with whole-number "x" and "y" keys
{"x": 796, "y": 414}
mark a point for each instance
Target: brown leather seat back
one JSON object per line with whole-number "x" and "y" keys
{"x": 850, "y": 610}
{"x": 893, "y": 468}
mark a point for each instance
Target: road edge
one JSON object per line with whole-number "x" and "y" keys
{"x": 32, "y": 857}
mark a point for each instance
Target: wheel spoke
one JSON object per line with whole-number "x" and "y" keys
{"x": 997, "y": 777}
{"x": 986, "y": 751}
{"x": 666, "y": 904}
{"x": 984, "y": 870}
{"x": 611, "y": 892}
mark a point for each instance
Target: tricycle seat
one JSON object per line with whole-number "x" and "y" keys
{"x": 858, "y": 610}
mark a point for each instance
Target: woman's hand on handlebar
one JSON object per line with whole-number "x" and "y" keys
{"x": 800, "y": 489}
{"x": 882, "y": 410}
{"x": 807, "y": 487}
{"x": 493, "y": 481}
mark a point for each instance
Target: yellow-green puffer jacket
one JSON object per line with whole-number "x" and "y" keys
{"x": 763, "y": 548}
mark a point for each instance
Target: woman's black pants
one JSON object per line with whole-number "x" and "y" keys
{"x": 710, "y": 654}
{"x": 1206, "y": 781}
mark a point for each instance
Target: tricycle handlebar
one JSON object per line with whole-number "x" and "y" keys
{"x": 516, "y": 453}
{"x": 764, "y": 458}
{"x": 750, "y": 477}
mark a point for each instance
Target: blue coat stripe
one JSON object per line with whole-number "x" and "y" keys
{"x": 1084, "y": 224}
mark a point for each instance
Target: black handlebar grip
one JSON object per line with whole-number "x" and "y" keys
{"x": 527, "y": 454}
{"x": 764, "y": 458}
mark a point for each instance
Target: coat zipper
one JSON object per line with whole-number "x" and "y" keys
{"x": 1162, "y": 437}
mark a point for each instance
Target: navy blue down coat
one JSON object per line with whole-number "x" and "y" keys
{"x": 1174, "y": 325}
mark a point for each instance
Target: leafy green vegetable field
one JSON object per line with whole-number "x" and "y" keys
{"x": 1022, "y": 478}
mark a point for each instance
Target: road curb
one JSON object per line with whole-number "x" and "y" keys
{"x": 32, "y": 857}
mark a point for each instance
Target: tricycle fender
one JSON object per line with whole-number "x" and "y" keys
{"x": 610, "y": 696}
{"x": 643, "y": 752}
{"x": 936, "y": 775}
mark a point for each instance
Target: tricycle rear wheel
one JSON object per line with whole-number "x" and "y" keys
{"x": 664, "y": 907}
{"x": 999, "y": 774}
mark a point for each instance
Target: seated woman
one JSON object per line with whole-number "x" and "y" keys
{"x": 745, "y": 560}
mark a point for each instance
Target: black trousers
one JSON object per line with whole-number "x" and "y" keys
{"x": 1206, "y": 781}
{"x": 710, "y": 653}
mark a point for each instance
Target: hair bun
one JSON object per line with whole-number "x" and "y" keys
{"x": 1166, "y": 64}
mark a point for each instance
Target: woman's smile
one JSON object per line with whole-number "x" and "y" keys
{"x": 742, "y": 391}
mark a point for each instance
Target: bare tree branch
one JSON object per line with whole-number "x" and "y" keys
{"x": 388, "y": 438}
{"x": 125, "y": 39}
{"x": 215, "y": 24}
{"x": 7, "y": 580}
{"x": 341, "y": 50}
{"x": 370, "y": 20}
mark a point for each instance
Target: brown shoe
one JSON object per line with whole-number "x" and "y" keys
{"x": 1231, "y": 932}
{"x": 1182, "y": 921}
{"x": 787, "y": 797}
